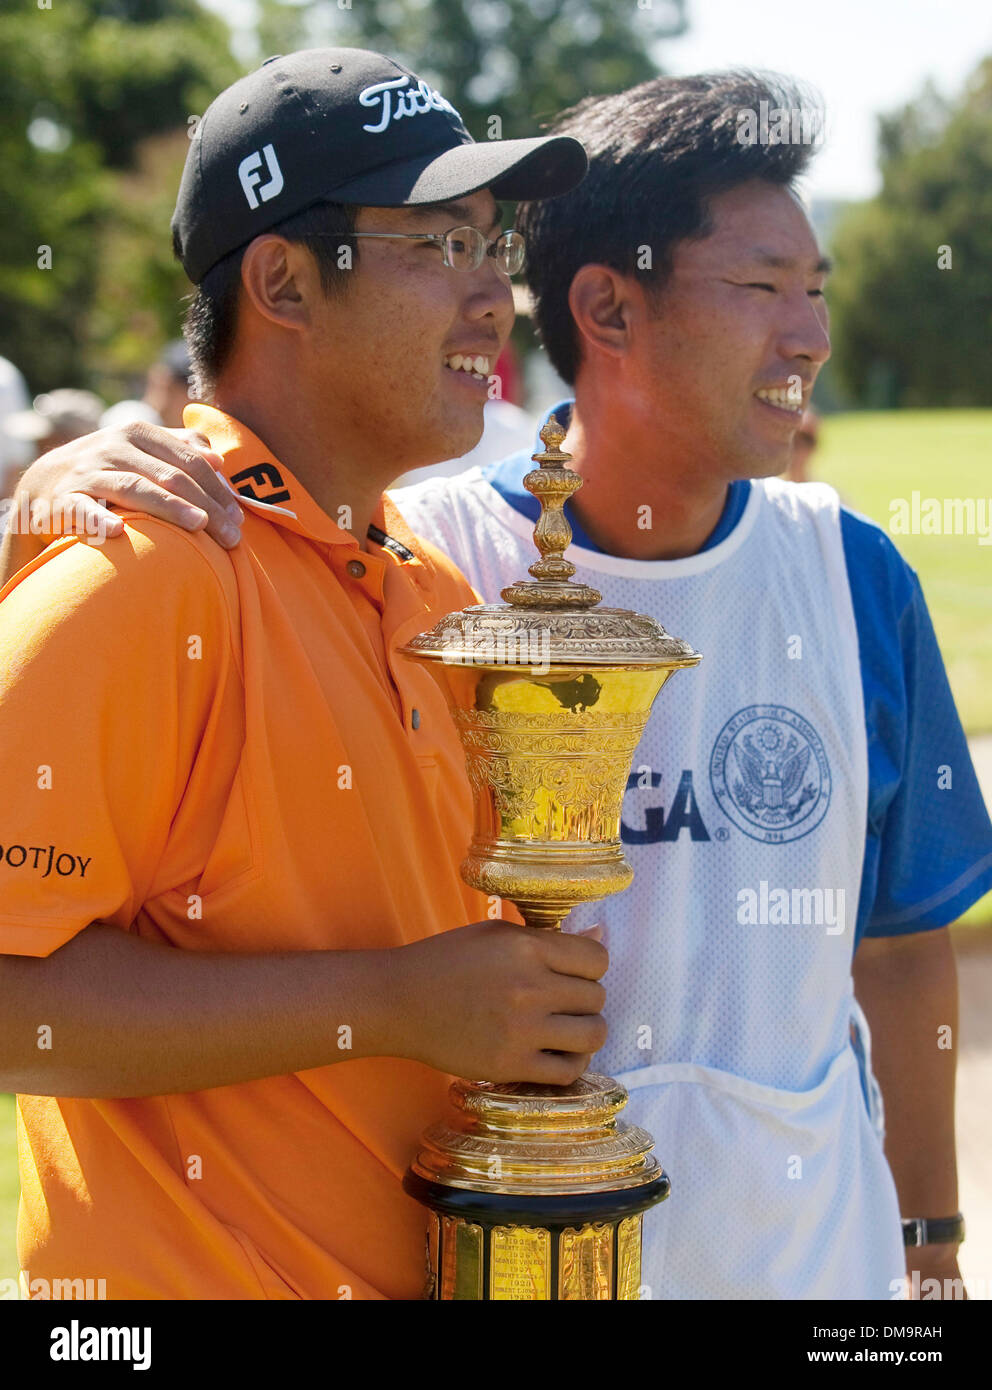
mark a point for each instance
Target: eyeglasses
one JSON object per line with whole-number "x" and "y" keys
{"x": 463, "y": 248}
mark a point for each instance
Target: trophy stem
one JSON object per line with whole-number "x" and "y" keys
{"x": 547, "y": 918}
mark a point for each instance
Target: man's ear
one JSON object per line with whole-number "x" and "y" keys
{"x": 603, "y": 306}
{"x": 278, "y": 278}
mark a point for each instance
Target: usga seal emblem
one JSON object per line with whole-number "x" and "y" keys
{"x": 770, "y": 774}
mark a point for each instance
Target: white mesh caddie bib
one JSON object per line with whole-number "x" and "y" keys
{"x": 729, "y": 992}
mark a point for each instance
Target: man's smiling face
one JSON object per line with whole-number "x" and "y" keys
{"x": 741, "y": 332}
{"x": 409, "y": 325}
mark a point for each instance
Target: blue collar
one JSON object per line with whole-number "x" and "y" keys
{"x": 505, "y": 476}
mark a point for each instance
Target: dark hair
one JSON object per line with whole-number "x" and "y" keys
{"x": 657, "y": 153}
{"x": 210, "y": 322}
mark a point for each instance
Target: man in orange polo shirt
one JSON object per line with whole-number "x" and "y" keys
{"x": 233, "y": 969}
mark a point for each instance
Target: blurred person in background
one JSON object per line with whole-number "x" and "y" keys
{"x": 166, "y": 392}
{"x": 15, "y": 454}
{"x": 803, "y": 446}
{"x": 56, "y": 418}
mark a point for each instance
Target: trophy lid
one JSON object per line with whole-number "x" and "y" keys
{"x": 551, "y": 617}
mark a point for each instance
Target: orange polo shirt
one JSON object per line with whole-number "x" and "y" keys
{"x": 223, "y": 751}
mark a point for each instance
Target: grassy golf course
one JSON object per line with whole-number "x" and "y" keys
{"x": 8, "y": 1189}
{"x": 875, "y": 457}
{"x": 871, "y": 459}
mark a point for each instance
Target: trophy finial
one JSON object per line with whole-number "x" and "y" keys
{"x": 553, "y": 483}
{"x": 552, "y": 436}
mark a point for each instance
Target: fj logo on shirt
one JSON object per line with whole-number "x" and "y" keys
{"x": 43, "y": 859}
{"x": 248, "y": 173}
{"x": 264, "y": 474}
{"x": 394, "y": 104}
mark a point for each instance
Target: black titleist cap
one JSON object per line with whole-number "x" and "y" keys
{"x": 342, "y": 125}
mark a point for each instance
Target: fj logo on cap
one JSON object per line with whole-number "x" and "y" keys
{"x": 248, "y": 173}
{"x": 415, "y": 101}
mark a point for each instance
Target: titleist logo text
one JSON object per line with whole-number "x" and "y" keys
{"x": 395, "y": 104}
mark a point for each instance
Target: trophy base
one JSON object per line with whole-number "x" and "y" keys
{"x": 493, "y": 1246}
{"x": 536, "y": 1193}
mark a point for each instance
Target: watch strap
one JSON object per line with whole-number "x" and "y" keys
{"x": 932, "y": 1230}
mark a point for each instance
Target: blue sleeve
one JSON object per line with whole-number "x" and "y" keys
{"x": 928, "y": 847}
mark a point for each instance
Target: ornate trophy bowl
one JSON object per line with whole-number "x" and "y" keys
{"x": 537, "y": 1192}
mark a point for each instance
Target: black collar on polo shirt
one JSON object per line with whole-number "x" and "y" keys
{"x": 376, "y": 533}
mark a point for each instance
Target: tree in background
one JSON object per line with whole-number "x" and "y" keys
{"x": 86, "y": 85}
{"x": 99, "y": 96}
{"x": 520, "y": 60}
{"x": 911, "y": 300}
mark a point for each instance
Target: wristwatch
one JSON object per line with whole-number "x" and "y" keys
{"x": 932, "y": 1230}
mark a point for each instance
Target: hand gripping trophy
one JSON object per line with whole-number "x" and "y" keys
{"x": 537, "y": 1192}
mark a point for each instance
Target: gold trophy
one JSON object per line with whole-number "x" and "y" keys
{"x": 537, "y": 1192}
